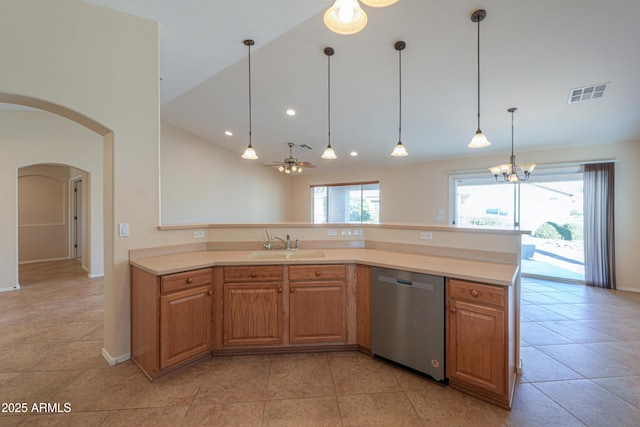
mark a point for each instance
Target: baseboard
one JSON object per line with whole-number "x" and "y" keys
{"x": 10, "y": 288}
{"x": 628, "y": 289}
{"x": 35, "y": 261}
{"x": 93, "y": 276}
{"x": 114, "y": 360}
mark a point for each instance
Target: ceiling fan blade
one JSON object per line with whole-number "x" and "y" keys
{"x": 306, "y": 165}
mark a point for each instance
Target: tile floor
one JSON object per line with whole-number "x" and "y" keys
{"x": 580, "y": 349}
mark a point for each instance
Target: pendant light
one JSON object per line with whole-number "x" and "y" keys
{"x": 249, "y": 152}
{"x": 329, "y": 154}
{"x": 479, "y": 140}
{"x": 399, "y": 149}
{"x": 345, "y": 17}
{"x": 508, "y": 170}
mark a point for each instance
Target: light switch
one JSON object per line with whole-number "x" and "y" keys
{"x": 124, "y": 230}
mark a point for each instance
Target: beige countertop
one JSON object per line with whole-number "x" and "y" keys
{"x": 487, "y": 272}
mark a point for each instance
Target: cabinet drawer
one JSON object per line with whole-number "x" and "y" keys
{"x": 252, "y": 273}
{"x": 476, "y": 292}
{"x": 317, "y": 272}
{"x": 188, "y": 279}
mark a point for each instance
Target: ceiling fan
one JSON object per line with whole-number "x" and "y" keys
{"x": 291, "y": 164}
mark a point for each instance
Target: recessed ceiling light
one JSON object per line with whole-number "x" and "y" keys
{"x": 354, "y": 153}
{"x": 291, "y": 112}
{"x": 228, "y": 133}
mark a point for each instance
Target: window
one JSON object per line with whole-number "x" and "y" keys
{"x": 550, "y": 206}
{"x": 346, "y": 203}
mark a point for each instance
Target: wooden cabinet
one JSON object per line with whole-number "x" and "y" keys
{"x": 252, "y": 301}
{"x": 170, "y": 319}
{"x": 317, "y": 304}
{"x": 480, "y": 340}
{"x": 284, "y": 306}
{"x": 185, "y": 325}
{"x": 363, "y": 307}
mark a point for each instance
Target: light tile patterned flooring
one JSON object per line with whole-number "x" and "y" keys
{"x": 581, "y": 352}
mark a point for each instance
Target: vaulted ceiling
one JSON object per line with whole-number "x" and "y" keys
{"x": 532, "y": 55}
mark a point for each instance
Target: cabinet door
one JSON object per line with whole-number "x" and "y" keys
{"x": 252, "y": 313}
{"x": 475, "y": 345}
{"x": 318, "y": 312}
{"x": 185, "y": 325}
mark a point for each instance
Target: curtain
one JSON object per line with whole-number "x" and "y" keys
{"x": 599, "y": 243}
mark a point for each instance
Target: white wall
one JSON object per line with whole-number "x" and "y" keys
{"x": 97, "y": 67}
{"x": 43, "y": 213}
{"x": 201, "y": 182}
{"x": 414, "y": 193}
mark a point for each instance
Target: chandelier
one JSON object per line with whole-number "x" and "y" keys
{"x": 508, "y": 171}
{"x": 347, "y": 17}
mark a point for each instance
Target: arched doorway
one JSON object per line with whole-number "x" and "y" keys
{"x": 21, "y": 154}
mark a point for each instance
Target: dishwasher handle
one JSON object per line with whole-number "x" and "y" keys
{"x": 405, "y": 282}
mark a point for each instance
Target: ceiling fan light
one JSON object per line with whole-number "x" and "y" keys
{"x": 329, "y": 154}
{"x": 287, "y": 171}
{"x": 281, "y": 168}
{"x": 399, "y": 150}
{"x": 249, "y": 153}
{"x": 345, "y": 17}
{"x": 379, "y": 3}
{"x": 299, "y": 170}
{"x": 479, "y": 140}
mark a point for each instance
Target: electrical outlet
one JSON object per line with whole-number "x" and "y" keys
{"x": 198, "y": 234}
{"x": 440, "y": 211}
{"x": 357, "y": 231}
{"x": 123, "y": 230}
{"x": 439, "y": 217}
{"x": 426, "y": 235}
{"x": 345, "y": 232}
{"x": 332, "y": 232}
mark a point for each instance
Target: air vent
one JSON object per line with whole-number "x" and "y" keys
{"x": 588, "y": 92}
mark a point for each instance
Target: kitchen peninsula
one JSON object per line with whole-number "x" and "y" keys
{"x": 220, "y": 299}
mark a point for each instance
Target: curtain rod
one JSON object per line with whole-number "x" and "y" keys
{"x": 542, "y": 166}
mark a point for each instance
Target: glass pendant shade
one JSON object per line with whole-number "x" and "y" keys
{"x": 399, "y": 150}
{"x": 329, "y": 154}
{"x": 527, "y": 167}
{"x": 379, "y": 3}
{"x": 479, "y": 140}
{"x": 345, "y": 17}
{"x": 249, "y": 153}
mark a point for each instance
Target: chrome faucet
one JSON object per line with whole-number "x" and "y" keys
{"x": 267, "y": 245}
{"x": 286, "y": 243}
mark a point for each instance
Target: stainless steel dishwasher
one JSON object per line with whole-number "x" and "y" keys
{"x": 407, "y": 319}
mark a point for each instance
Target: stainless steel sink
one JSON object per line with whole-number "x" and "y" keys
{"x": 284, "y": 254}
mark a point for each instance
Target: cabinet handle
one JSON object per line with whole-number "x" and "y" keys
{"x": 452, "y": 309}
{"x": 291, "y": 290}
{"x": 210, "y": 293}
{"x": 318, "y": 273}
{"x": 474, "y": 293}
{"x": 190, "y": 280}
{"x": 252, "y": 275}
{"x": 280, "y": 290}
